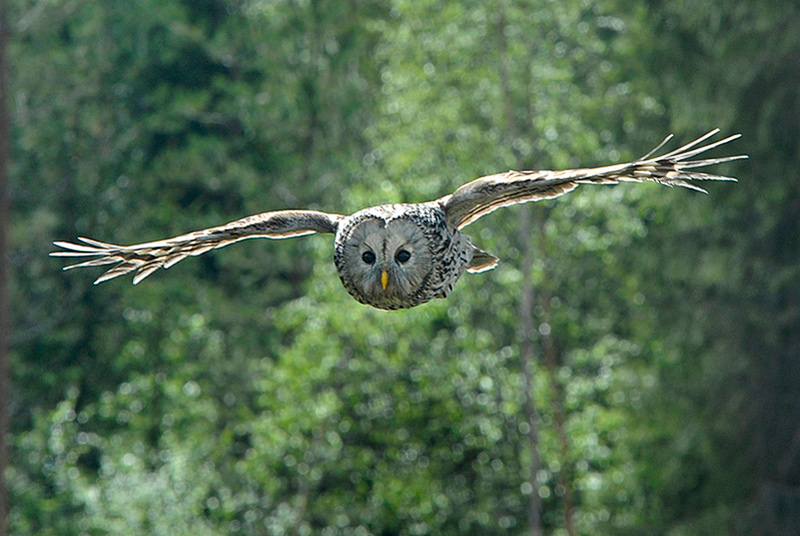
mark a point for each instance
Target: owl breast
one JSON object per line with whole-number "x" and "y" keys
{"x": 400, "y": 256}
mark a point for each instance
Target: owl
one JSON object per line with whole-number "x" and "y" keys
{"x": 402, "y": 255}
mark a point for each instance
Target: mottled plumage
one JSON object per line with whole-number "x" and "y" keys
{"x": 403, "y": 255}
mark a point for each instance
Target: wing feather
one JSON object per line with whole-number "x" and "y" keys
{"x": 487, "y": 194}
{"x": 146, "y": 258}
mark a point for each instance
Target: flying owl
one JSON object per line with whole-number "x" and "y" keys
{"x": 403, "y": 255}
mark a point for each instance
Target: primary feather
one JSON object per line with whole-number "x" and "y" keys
{"x": 486, "y": 194}
{"x": 144, "y": 259}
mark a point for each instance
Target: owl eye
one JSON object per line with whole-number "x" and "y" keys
{"x": 402, "y": 256}
{"x": 368, "y": 257}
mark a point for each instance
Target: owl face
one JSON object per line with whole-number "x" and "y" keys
{"x": 383, "y": 261}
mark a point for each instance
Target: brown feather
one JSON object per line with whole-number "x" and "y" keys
{"x": 146, "y": 258}
{"x": 486, "y": 194}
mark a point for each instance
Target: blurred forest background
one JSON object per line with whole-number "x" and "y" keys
{"x": 244, "y": 392}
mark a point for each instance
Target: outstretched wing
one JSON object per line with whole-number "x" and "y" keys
{"x": 486, "y": 194}
{"x": 144, "y": 259}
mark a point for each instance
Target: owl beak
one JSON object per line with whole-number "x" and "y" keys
{"x": 384, "y": 279}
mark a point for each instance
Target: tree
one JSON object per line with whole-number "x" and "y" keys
{"x": 4, "y": 321}
{"x": 726, "y": 460}
{"x": 246, "y": 392}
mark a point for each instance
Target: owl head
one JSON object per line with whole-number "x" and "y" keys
{"x": 383, "y": 258}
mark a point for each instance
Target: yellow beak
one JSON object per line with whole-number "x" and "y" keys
{"x": 384, "y": 279}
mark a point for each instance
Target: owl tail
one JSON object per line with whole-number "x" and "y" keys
{"x": 481, "y": 261}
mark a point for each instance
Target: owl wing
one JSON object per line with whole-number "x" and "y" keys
{"x": 487, "y": 194}
{"x": 144, "y": 259}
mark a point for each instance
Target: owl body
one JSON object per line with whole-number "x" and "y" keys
{"x": 403, "y": 255}
{"x": 421, "y": 254}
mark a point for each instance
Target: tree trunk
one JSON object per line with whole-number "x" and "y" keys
{"x": 526, "y": 354}
{"x": 527, "y": 359}
{"x": 4, "y": 313}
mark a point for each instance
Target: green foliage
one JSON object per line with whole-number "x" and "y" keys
{"x": 244, "y": 392}
{"x": 729, "y": 286}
